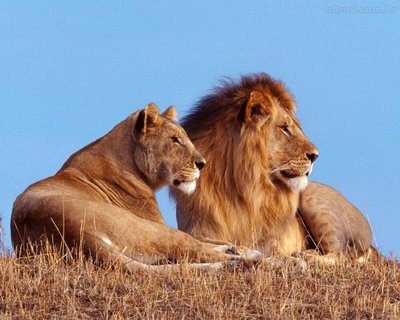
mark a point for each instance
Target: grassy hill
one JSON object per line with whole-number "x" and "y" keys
{"x": 51, "y": 286}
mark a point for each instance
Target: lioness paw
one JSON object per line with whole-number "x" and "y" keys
{"x": 227, "y": 248}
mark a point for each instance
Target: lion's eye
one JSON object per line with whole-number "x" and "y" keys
{"x": 176, "y": 140}
{"x": 286, "y": 130}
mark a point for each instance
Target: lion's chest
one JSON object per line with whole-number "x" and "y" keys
{"x": 272, "y": 229}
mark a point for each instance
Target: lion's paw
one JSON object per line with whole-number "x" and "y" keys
{"x": 313, "y": 257}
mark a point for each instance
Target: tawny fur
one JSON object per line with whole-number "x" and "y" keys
{"x": 103, "y": 197}
{"x": 336, "y": 225}
{"x": 254, "y": 145}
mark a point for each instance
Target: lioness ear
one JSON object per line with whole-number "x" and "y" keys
{"x": 170, "y": 113}
{"x": 148, "y": 117}
{"x": 255, "y": 105}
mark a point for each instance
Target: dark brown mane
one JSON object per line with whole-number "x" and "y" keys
{"x": 218, "y": 106}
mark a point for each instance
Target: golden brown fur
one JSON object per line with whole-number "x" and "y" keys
{"x": 102, "y": 199}
{"x": 258, "y": 163}
{"x": 336, "y": 225}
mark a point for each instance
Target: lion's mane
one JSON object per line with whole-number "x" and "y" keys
{"x": 236, "y": 200}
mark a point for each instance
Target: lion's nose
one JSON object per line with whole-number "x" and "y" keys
{"x": 200, "y": 163}
{"x": 312, "y": 156}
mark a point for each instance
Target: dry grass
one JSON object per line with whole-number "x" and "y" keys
{"x": 50, "y": 286}
{"x": 55, "y": 286}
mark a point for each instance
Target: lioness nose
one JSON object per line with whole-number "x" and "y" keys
{"x": 312, "y": 156}
{"x": 200, "y": 163}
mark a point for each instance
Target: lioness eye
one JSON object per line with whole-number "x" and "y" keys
{"x": 176, "y": 139}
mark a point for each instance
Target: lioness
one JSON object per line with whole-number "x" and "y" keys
{"x": 103, "y": 196}
{"x": 259, "y": 161}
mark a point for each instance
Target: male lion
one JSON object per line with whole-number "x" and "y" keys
{"x": 103, "y": 197}
{"x": 258, "y": 163}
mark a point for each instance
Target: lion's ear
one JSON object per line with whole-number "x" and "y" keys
{"x": 170, "y": 113}
{"x": 255, "y": 105}
{"x": 148, "y": 117}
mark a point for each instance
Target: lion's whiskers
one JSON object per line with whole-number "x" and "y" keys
{"x": 285, "y": 166}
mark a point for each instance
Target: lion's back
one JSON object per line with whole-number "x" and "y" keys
{"x": 336, "y": 231}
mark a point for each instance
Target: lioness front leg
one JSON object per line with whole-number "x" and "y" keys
{"x": 145, "y": 241}
{"x": 229, "y": 248}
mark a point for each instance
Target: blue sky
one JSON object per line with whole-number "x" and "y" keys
{"x": 71, "y": 70}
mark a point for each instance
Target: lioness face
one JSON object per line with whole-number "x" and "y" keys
{"x": 290, "y": 154}
{"x": 167, "y": 154}
{"x": 183, "y": 163}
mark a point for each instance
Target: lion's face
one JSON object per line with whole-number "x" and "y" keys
{"x": 165, "y": 154}
{"x": 290, "y": 154}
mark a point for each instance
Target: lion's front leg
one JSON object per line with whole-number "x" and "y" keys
{"x": 212, "y": 241}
